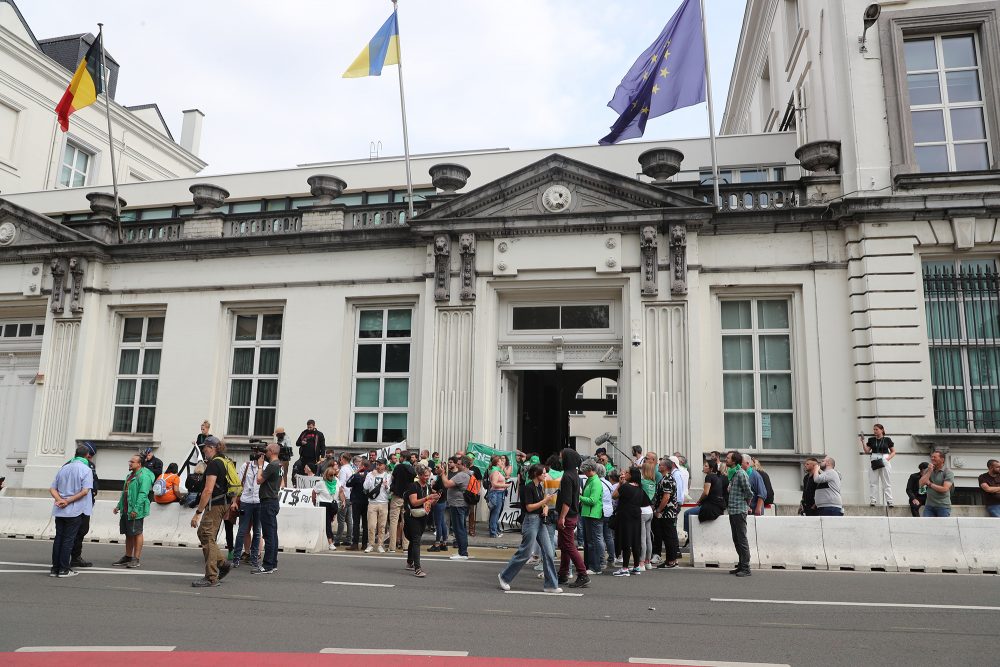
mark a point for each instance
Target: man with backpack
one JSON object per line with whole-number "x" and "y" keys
{"x": 461, "y": 488}
{"x": 212, "y": 506}
{"x": 134, "y": 507}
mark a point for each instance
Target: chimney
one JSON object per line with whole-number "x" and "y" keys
{"x": 191, "y": 130}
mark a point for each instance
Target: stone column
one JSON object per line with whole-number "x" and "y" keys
{"x": 665, "y": 373}
{"x": 452, "y": 389}
{"x": 57, "y": 394}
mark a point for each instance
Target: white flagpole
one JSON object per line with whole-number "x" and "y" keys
{"x": 111, "y": 141}
{"x": 711, "y": 109}
{"x": 402, "y": 108}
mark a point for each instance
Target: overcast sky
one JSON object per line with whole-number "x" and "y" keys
{"x": 515, "y": 73}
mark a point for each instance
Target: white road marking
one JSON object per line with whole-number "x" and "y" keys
{"x": 423, "y": 557}
{"x": 438, "y": 608}
{"x": 105, "y": 570}
{"x": 359, "y": 583}
{"x": 555, "y": 595}
{"x": 94, "y": 649}
{"x": 826, "y": 603}
{"x": 24, "y": 571}
{"x": 10, "y": 562}
{"x": 395, "y": 651}
{"x": 701, "y": 663}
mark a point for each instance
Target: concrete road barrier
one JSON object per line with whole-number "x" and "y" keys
{"x": 29, "y": 517}
{"x": 789, "y": 542}
{"x": 712, "y": 543}
{"x": 927, "y": 544}
{"x": 980, "y": 543}
{"x": 858, "y": 543}
{"x": 301, "y": 528}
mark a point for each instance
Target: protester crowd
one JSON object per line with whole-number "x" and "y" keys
{"x": 604, "y": 520}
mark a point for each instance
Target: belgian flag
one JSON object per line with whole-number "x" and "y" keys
{"x": 87, "y": 83}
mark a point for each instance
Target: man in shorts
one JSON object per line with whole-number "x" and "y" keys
{"x": 133, "y": 507}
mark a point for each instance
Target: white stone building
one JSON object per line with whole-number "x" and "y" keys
{"x": 35, "y": 154}
{"x": 851, "y": 281}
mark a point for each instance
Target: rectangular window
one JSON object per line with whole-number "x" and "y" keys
{"x": 381, "y": 379}
{"x": 541, "y": 318}
{"x": 757, "y": 374}
{"x": 962, "y": 304}
{"x": 611, "y": 394}
{"x": 577, "y": 413}
{"x": 75, "y": 166}
{"x": 947, "y": 113}
{"x": 137, "y": 381}
{"x": 253, "y": 376}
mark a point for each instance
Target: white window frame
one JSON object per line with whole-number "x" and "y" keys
{"x": 143, "y": 346}
{"x": 382, "y": 375}
{"x": 755, "y": 332}
{"x": 945, "y": 105}
{"x": 77, "y": 148}
{"x": 254, "y": 376}
{"x": 577, "y": 413}
{"x": 611, "y": 392}
{"x": 511, "y": 331}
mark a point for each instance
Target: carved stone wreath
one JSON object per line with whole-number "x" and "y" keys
{"x": 557, "y": 198}
{"x": 8, "y": 232}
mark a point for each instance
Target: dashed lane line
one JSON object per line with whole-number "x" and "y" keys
{"x": 359, "y": 583}
{"x": 701, "y": 663}
{"x": 95, "y": 649}
{"x": 395, "y": 651}
{"x": 832, "y": 603}
{"x": 554, "y": 595}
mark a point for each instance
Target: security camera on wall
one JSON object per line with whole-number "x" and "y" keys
{"x": 636, "y": 341}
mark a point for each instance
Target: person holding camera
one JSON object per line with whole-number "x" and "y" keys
{"x": 269, "y": 479}
{"x": 880, "y": 449}
{"x": 330, "y": 497}
{"x": 284, "y": 452}
{"x": 249, "y": 509}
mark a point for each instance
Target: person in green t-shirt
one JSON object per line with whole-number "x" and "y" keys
{"x": 939, "y": 481}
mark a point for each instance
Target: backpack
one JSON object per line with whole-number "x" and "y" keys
{"x": 472, "y": 490}
{"x": 235, "y": 488}
{"x": 160, "y": 487}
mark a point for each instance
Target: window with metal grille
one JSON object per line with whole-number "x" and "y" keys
{"x": 962, "y": 304}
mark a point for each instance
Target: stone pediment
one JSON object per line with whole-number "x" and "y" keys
{"x": 557, "y": 186}
{"x": 20, "y": 227}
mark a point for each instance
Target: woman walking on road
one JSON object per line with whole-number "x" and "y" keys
{"x": 536, "y": 512}
{"x": 419, "y": 503}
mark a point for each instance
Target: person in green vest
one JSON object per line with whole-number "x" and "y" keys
{"x": 133, "y": 505}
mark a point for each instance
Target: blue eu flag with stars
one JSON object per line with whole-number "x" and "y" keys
{"x": 669, "y": 75}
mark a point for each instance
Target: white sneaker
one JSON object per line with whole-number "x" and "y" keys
{"x": 380, "y": 550}
{"x": 655, "y": 559}
{"x": 538, "y": 568}
{"x": 554, "y": 591}
{"x": 369, "y": 549}
{"x": 621, "y": 572}
{"x": 648, "y": 566}
{"x": 504, "y": 586}
{"x": 590, "y": 572}
{"x": 457, "y": 557}
{"x": 332, "y": 547}
{"x": 618, "y": 562}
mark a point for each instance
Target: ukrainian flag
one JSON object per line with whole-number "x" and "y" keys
{"x": 84, "y": 87}
{"x": 383, "y": 49}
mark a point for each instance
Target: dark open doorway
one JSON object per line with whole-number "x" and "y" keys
{"x": 541, "y": 416}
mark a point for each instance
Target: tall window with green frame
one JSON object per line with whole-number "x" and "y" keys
{"x": 138, "y": 378}
{"x": 757, "y": 374}
{"x": 381, "y": 395}
{"x": 963, "y": 332}
{"x": 253, "y": 379}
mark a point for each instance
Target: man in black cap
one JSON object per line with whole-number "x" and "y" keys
{"x": 917, "y": 496}
{"x": 77, "y": 553}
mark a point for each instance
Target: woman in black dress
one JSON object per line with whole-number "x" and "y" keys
{"x": 419, "y": 504}
{"x": 631, "y": 499}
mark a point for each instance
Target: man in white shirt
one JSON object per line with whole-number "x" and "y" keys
{"x": 681, "y": 476}
{"x": 345, "y": 518}
{"x": 377, "y": 487}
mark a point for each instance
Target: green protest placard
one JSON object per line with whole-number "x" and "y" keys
{"x": 481, "y": 455}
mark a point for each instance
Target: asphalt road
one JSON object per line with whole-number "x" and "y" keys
{"x": 677, "y": 614}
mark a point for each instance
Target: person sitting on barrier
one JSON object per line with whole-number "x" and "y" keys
{"x": 171, "y": 487}
{"x": 989, "y": 483}
{"x": 939, "y": 481}
{"x": 916, "y": 494}
{"x": 827, "y": 479}
{"x": 712, "y": 503}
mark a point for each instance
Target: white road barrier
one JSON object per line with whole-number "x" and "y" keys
{"x": 927, "y": 544}
{"x": 712, "y": 543}
{"x": 981, "y": 543}
{"x": 858, "y": 543}
{"x": 790, "y": 542}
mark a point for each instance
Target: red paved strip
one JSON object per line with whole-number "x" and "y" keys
{"x": 172, "y": 659}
